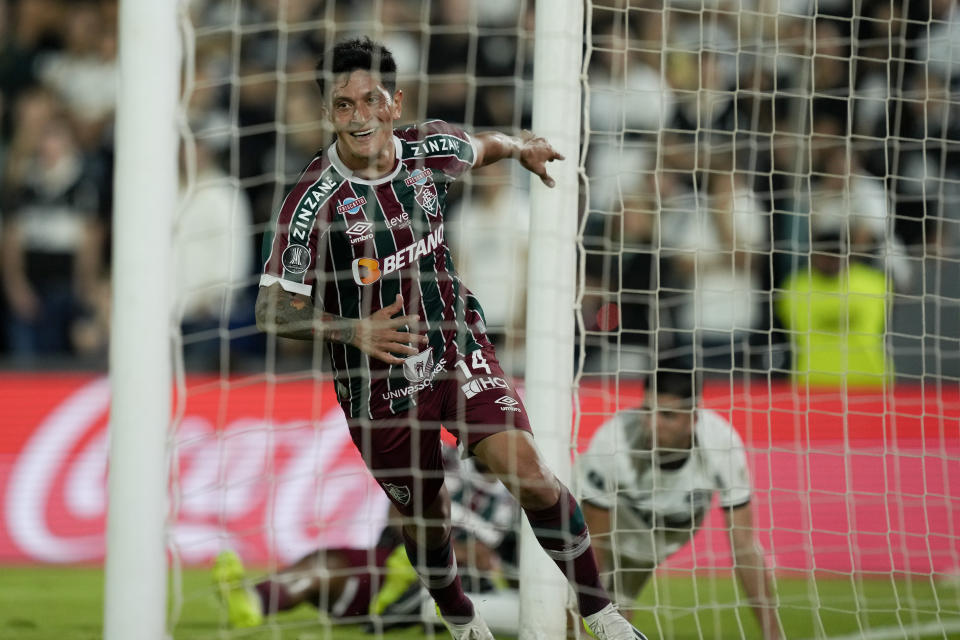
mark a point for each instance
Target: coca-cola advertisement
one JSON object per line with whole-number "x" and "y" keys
{"x": 842, "y": 481}
{"x": 265, "y": 468}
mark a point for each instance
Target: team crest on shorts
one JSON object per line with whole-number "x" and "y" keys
{"x": 418, "y": 367}
{"x": 296, "y": 258}
{"x": 424, "y": 191}
{"x": 399, "y": 492}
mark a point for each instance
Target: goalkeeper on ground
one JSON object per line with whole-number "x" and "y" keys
{"x": 648, "y": 479}
{"x": 378, "y": 585}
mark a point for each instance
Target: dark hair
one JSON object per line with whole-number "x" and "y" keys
{"x": 832, "y": 242}
{"x": 358, "y": 53}
{"x": 675, "y": 380}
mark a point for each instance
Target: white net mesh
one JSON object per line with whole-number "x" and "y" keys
{"x": 766, "y": 196}
{"x": 767, "y": 201}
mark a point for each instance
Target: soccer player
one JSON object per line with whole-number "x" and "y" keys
{"x": 350, "y": 585}
{"x": 648, "y": 479}
{"x": 357, "y": 258}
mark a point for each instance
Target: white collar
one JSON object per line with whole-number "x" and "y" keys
{"x": 348, "y": 173}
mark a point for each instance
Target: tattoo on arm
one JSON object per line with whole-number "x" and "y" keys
{"x": 337, "y": 328}
{"x": 292, "y": 315}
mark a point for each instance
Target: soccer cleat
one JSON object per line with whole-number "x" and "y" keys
{"x": 243, "y": 604}
{"x": 400, "y": 578}
{"x": 476, "y": 629}
{"x": 609, "y": 624}
{"x": 402, "y": 612}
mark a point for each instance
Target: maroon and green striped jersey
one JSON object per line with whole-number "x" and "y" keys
{"x": 354, "y": 244}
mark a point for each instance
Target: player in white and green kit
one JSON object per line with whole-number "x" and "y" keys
{"x": 648, "y": 479}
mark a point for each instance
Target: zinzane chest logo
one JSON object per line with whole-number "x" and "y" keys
{"x": 424, "y": 191}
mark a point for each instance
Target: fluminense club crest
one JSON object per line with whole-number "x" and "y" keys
{"x": 424, "y": 191}
{"x": 399, "y": 492}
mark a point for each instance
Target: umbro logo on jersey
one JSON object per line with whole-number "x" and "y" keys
{"x": 359, "y": 228}
{"x": 507, "y": 403}
{"x": 360, "y": 231}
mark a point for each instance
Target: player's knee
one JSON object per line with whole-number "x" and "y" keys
{"x": 537, "y": 490}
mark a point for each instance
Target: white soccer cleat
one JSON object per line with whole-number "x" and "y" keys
{"x": 476, "y": 629}
{"x": 609, "y": 624}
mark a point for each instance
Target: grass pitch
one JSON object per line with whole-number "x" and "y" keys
{"x": 66, "y": 603}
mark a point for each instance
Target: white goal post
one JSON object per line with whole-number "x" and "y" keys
{"x": 146, "y": 187}
{"x": 551, "y": 291}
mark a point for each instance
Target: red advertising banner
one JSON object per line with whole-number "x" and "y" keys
{"x": 863, "y": 481}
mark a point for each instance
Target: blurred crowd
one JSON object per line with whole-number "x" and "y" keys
{"x": 765, "y": 180}
{"x": 727, "y": 142}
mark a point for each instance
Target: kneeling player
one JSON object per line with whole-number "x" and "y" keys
{"x": 659, "y": 467}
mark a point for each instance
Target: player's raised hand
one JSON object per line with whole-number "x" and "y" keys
{"x": 535, "y": 153}
{"x": 379, "y": 336}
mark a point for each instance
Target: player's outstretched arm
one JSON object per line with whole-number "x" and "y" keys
{"x": 532, "y": 151}
{"x": 752, "y": 570}
{"x": 292, "y": 315}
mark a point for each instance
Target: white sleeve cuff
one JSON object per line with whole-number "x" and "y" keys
{"x": 293, "y": 287}
{"x": 473, "y": 145}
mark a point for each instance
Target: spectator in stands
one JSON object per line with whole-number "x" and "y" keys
{"x": 489, "y": 232}
{"x": 831, "y": 57}
{"x": 27, "y": 31}
{"x": 451, "y": 97}
{"x": 213, "y": 260}
{"x": 84, "y": 73}
{"x": 846, "y": 199}
{"x": 621, "y": 285}
{"x": 835, "y": 311}
{"x": 629, "y": 103}
{"x": 924, "y": 164}
{"x": 52, "y": 237}
{"x": 712, "y": 235}
{"x": 941, "y": 47}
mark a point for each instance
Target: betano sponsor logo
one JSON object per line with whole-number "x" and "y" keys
{"x": 368, "y": 270}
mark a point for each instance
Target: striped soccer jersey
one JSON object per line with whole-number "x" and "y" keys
{"x": 354, "y": 244}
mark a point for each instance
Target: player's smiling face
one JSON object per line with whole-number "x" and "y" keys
{"x": 363, "y": 111}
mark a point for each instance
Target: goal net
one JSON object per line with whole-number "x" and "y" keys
{"x": 766, "y": 197}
